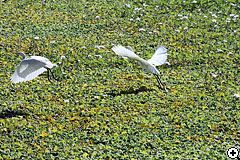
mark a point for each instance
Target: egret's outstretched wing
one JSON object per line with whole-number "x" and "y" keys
{"x": 27, "y": 70}
{"x": 124, "y": 52}
{"x": 127, "y": 52}
{"x": 159, "y": 57}
{"x": 44, "y": 60}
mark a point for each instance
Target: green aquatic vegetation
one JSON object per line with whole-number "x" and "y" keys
{"x": 106, "y": 107}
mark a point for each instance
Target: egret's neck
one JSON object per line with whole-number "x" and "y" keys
{"x": 22, "y": 54}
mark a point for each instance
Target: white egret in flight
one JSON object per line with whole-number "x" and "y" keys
{"x": 30, "y": 68}
{"x": 159, "y": 58}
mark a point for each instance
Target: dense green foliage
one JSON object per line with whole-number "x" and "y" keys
{"x": 106, "y": 107}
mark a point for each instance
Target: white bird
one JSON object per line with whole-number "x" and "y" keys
{"x": 159, "y": 58}
{"x": 30, "y": 68}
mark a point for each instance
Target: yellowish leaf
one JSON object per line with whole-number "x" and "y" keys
{"x": 44, "y": 134}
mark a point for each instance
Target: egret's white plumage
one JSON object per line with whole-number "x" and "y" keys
{"x": 159, "y": 58}
{"x": 30, "y": 68}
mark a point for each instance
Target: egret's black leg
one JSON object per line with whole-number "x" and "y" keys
{"x": 57, "y": 79}
{"x": 48, "y": 76}
{"x": 160, "y": 86}
{"x": 159, "y": 82}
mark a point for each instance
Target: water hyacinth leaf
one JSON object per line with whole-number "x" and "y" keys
{"x": 107, "y": 108}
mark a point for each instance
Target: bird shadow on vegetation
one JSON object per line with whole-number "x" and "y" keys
{"x": 10, "y": 114}
{"x": 115, "y": 93}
